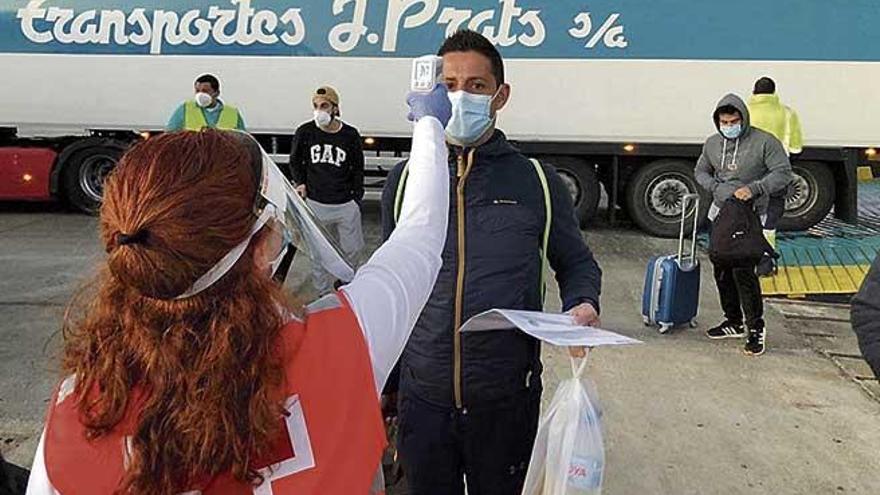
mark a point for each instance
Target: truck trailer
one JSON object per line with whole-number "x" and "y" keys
{"x": 617, "y": 94}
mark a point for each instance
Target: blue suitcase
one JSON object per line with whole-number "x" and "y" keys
{"x": 672, "y": 283}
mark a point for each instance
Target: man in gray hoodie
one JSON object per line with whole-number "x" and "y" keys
{"x": 749, "y": 164}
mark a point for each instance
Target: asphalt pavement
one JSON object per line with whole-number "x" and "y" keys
{"x": 682, "y": 414}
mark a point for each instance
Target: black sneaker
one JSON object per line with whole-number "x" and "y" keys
{"x": 726, "y": 330}
{"x": 755, "y": 345}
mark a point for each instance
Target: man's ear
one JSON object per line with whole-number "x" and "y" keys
{"x": 502, "y": 98}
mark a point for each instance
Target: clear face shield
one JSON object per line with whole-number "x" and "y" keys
{"x": 279, "y": 207}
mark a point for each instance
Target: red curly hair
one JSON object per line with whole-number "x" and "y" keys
{"x": 203, "y": 369}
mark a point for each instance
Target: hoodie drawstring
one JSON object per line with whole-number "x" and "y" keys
{"x": 724, "y": 155}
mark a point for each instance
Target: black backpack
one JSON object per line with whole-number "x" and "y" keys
{"x": 737, "y": 236}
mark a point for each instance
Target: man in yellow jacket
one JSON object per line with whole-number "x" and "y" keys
{"x": 769, "y": 114}
{"x": 205, "y": 110}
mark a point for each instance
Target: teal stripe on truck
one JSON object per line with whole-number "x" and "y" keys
{"x": 805, "y": 30}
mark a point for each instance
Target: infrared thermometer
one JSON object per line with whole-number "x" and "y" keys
{"x": 427, "y": 72}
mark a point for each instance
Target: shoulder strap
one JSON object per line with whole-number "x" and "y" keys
{"x": 398, "y": 196}
{"x": 548, "y": 220}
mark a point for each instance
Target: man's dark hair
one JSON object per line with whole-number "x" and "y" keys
{"x": 728, "y": 110}
{"x": 466, "y": 40}
{"x": 765, "y": 86}
{"x": 210, "y": 79}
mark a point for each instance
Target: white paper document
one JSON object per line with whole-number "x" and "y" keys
{"x": 556, "y": 329}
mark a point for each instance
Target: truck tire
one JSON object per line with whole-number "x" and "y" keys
{"x": 654, "y": 193}
{"x": 810, "y": 196}
{"x": 582, "y": 183}
{"x": 84, "y": 170}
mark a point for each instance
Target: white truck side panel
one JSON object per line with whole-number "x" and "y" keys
{"x": 565, "y": 100}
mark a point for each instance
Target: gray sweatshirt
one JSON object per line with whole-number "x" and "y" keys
{"x": 755, "y": 159}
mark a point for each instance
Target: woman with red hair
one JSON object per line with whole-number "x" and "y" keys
{"x": 190, "y": 371}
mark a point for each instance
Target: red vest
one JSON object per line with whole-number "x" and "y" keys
{"x": 331, "y": 443}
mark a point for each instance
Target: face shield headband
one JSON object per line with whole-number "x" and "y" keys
{"x": 279, "y": 207}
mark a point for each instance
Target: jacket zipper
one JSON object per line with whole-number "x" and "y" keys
{"x": 464, "y": 168}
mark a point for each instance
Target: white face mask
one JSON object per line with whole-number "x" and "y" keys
{"x": 323, "y": 118}
{"x": 204, "y": 99}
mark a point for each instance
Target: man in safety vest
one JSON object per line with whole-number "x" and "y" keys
{"x": 205, "y": 110}
{"x": 770, "y": 115}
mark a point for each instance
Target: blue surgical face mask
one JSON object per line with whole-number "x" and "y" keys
{"x": 731, "y": 131}
{"x": 471, "y": 117}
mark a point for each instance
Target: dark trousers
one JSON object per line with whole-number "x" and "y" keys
{"x": 491, "y": 447}
{"x": 740, "y": 293}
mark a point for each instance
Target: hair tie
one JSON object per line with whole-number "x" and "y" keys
{"x": 139, "y": 237}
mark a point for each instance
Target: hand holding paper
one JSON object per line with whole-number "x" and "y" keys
{"x": 556, "y": 329}
{"x": 584, "y": 315}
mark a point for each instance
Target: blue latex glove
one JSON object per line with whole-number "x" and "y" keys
{"x": 433, "y": 104}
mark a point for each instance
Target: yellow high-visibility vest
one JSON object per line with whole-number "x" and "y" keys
{"x": 194, "y": 119}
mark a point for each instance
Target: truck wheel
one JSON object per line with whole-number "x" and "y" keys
{"x": 810, "y": 196}
{"x": 654, "y": 195}
{"x": 582, "y": 183}
{"x": 84, "y": 171}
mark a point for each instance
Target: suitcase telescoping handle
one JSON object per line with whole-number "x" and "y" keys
{"x": 685, "y": 200}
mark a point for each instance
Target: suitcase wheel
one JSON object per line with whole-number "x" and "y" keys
{"x": 664, "y": 327}
{"x": 693, "y": 324}
{"x": 646, "y": 321}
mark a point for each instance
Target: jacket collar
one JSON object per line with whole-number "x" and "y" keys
{"x": 495, "y": 147}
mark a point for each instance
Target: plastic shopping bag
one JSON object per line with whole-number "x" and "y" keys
{"x": 568, "y": 457}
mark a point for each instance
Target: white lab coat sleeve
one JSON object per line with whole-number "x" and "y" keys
{"x": 389, "y": 291}
{"x": 38, "y": 483}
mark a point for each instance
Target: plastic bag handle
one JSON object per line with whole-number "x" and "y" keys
{"x": 577, "y": 369}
